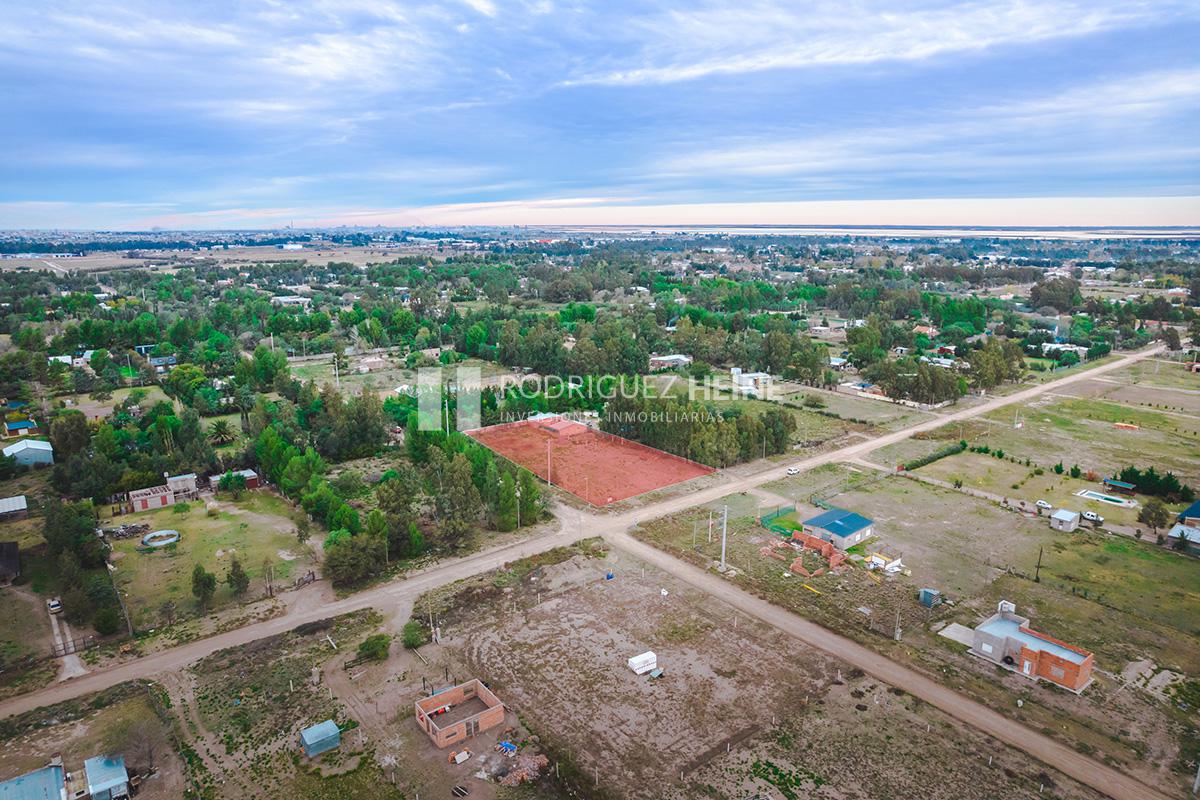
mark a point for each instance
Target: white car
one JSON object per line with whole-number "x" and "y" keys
{"x": 793, "y": 470}
{"x": 1043, "y": 504}
{"x": 1092, "y": 516}
{"x": 54, "y": 605}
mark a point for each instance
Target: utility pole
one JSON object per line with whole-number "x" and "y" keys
{"x": 724, "y": 529}
{"x": 1037, "y": 573}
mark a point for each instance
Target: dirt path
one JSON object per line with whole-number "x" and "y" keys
{"x": 387, "y": 597}
{"x": 69, "y": 666}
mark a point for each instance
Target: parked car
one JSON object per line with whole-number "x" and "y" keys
{"x": 1043, "y": 504}
{"x": 1092, "y": 516}
{"x": 793, "y": 470}
{"x": 54, "y": 605}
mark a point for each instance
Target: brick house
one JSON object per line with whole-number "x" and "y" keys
{"x": 1005, "y": 638}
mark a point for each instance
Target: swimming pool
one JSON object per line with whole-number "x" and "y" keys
{"x": 1106, "y": 498}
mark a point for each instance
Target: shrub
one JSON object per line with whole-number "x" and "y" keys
{"x": 106, "y": 622}
{"x": 181, "y": 508}
{"x": 940, "y": 453}
{"x": 375, "y": 647}
{"x": 413, "y": 635}
{"x": 1039, "y": 471}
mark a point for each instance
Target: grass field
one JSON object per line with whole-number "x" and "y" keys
{"x": 1157, "y": 372}
{"x": 257, "y": 527}
{"x": 1004, "y": 478}
{"x": 888, "y": 416}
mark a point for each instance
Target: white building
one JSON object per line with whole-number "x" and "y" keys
{"x": 750, "y": 384}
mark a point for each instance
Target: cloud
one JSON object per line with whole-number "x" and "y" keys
{"x": 723, "y": 39}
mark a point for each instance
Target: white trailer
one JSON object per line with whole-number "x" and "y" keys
{"x": 644, "y": 663}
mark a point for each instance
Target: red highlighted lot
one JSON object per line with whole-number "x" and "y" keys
{"x": 590, "y": 464}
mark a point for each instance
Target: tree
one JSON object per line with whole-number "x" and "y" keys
{"x": 530, "y": 502}
{"x": 204, "y": 586}
{"x": 1171, "y": 337}
{"x": 1155, "y": 514}
{"x": 107, "y": 621}
{"x": 69, "y": 434}
{"x": 220, "y": 432}
{"x": 237, "y": 578}
{"x": 353, "y": 559}
{"x": 375, "y": 647}
{"x": 506, "y": 503}
{"x": 413, "y": 635}
{"x": 232, "y": 482}
{"x": 303, "y": 529}
{"x": 167, "y": 612}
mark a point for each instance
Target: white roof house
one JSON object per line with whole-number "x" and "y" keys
{"x": 11, "y": 505}
{"x": 31, "y": 451}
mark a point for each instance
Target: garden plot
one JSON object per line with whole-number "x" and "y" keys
{"x": 739, "y": 710}
{"x": 255, "y": 530}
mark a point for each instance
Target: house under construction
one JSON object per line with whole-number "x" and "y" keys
{"x": 458, "y": 713}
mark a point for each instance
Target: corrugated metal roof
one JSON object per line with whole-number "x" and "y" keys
{"x": 105, "y": 772}
{"x": 43, "y": 784}
{"x": 10, "y": 504}
{"x": 28, "y": 444}
{"x": 839, "y": 522}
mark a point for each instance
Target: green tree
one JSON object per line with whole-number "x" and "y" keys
{"x": 237, "y": 578}
{"x": 413, "y": 635}
{"x": 375, "y": 647}
{"x": 107, "y": 621}
{"x": 506, "y": 503}
{"x": 531, "y": 498}
{"x": 221, "y": 432}
{"x": 204, "y": 586}
{"x": 1155, "y": 514}
{"x": 69, "y": 433}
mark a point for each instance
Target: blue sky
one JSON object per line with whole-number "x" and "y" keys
{"x": 257, "y": 113}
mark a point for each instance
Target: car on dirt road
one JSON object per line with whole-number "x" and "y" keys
{"x": 793, "y": 470}
{"x": 54, "y": 605}
{"x": 1092, "y": 516}
{"x": 1043, "y": 504}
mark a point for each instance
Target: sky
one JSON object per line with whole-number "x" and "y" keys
{"x": 261, "y": 113}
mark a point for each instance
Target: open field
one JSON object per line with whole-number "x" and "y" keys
{"x": 121, "y": 720}
{"x": 740, "y": 709}
{"x": 385, "y": 381}
{"x": 1017, "y": 481}
{"x": 1075, "y": 431}
{"x": 255, "y": 528}
{"x": 887, "y": 416}
{"x": 597, "y": 467}
{"x": 24, "y": 634}
{"x": 1160, "y": 373}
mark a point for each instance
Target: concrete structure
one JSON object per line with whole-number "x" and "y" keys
{"x": 31, "y": 452}
{"x": 14, "y": 507}
{"x": 1064, "y": 520}
{"x": 1005, "y": 638}
{"x": 106, "y": 777}
{"x": 293, "y": 300}
{"x": 152, "y": 497}
{"x": 10, "y": 564}
{"x": 42, "y": 784}
{"x": 454, "y": 715}
{"x": 320, "y": 738}
{"x": 182, "y": 484}
{"x": 842, "y": 528}
{"x": 750, "y": 384}
{"x": 673, "y": 361}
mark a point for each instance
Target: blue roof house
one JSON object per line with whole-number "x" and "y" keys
{"x": 841, "y": 528}
{"x": 320, "y": 737}
{"x": 106, "y": 777}
{"x": 41, "y": 784}
{"x": 1190, "y": 515}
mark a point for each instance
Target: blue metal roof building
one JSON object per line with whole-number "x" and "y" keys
{"x": 320, "y": 737}
{"x": 1191, "y": 512}
{"x": 42, "y": 784}
{"x": 107, "y": 778}
{"x": 840, "y": 527}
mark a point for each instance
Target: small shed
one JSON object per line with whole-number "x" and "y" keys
{"x": 1064, "y": 520}
{"x": 251, "y": 477}
{"x": 320, "y": 737}
{"x": 31, "y": 452}
{"x": 107, "y": 778}
{"x": 13, "y": 507}
{"x": 1121, "y": 487}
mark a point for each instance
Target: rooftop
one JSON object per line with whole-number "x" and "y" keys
{"x": 1012, "y": 628}
{"x": 11, "y": 504}
{"x": 42, "y": 784}
{"x": 105, "y": 772}
{"x": 839, "y": 522}
{"x": 319, "y": 732}
{"x": 1065, "y": 515}
{"x": 28, "y": 444}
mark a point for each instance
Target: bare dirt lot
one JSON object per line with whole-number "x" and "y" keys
{"x": 739, "y": 710}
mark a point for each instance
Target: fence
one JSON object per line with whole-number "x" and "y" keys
{"x": 72, "y": 645}
{"x": 768, "y": 520}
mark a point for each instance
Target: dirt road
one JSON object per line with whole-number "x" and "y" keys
{"x": 613, "y": 528}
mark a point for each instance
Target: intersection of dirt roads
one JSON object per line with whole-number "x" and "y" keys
{"x": 395, "y": 601}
